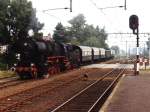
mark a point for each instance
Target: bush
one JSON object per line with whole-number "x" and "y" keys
{"x": 3, "y": 66}
{"x": 4, "y": 74}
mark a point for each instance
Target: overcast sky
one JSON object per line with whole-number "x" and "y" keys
{"x": 114, "y": 20}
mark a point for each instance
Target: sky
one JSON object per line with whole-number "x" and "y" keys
{"x": 115, "y": 20}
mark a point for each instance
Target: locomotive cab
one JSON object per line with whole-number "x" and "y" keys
{"x": 74, "y": 55}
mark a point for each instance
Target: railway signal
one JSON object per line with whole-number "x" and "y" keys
{"x": 134, "y": 25}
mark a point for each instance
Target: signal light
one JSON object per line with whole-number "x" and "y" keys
{"x": 133, "y": 22}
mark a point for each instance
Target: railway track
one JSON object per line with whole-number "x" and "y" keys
{"x": 12, "y": 81}
{"x": 53, "y": 91}
{"x": 92, "y": 97}
{"x": 11, "y": 103}
{"x": 16, "y": 101}
{"x": 3, "y": 80}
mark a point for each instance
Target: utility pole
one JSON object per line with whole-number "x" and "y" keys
{"x": 137, "y": 55}
{"x": 70, "y": 5}
{"x": 126, "y": 49}
{"x": 149, "y": 49}
{"x": 125, "y": 5}
{"x": 129, "y": 51}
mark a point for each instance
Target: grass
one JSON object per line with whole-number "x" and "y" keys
{"x": 4, "y": 74}
{"x": 147, "y": 69}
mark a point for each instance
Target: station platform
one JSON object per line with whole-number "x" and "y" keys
{"x": 117, "y": 65}
{"x": 132, "y": 94}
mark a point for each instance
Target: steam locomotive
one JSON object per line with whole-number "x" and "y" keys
{"x": 38, "y": 58}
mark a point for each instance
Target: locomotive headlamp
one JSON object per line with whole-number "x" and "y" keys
{"x": 18, "y": 56}
{"x": 45, "y": 64}
{"x": 25, "y": 44}
{"x": 32, "y": 64}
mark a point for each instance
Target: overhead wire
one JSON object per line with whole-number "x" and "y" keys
{"x": 96, "y": 6}
{"x": 101, "y": 9}
{"x": 111, "y": 23}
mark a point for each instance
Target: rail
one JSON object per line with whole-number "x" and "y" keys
{"x": 84, "y": 97}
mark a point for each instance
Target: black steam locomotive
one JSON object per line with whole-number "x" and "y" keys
{"x": 38, "y": 58}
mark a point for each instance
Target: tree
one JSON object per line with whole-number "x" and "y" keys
{"x": 74, "y": 41}
{"x": 4, "y": 34}
{"x": 89, "y": 31}
{"x": 78, "y": 22}
{"x": 80, "y": 33}
{"x": 92, "y": 41}
{"x": 96, "y": 36}
{"x": 60, "y": 33}
{"x": 77, "y": 27}
{"x": 16, "y": 19}
{"x": 86, "y": 34}
{"x": 101, "y": 36}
